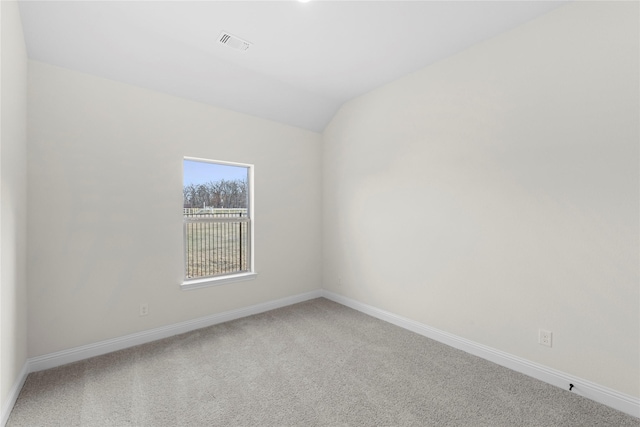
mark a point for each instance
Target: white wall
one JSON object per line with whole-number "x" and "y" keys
{"x": 496, "y": 192}
{"x": 105, "y": 217}
{"x": 13, "y": 199}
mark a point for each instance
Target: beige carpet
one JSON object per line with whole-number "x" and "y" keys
{"x": 311, "y": 364}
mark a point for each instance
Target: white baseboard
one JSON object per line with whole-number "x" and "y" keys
{"x": 64, "y": 357}
{"x": 622, "y": 402}
{"x": 7, "y": 406}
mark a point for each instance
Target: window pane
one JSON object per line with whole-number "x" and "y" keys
{"x": 212, "y": 185}
{"x": 216, "y": 216}
{"x": 216, "y": 248}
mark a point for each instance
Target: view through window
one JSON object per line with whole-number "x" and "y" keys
{"x": 217, "y": 218}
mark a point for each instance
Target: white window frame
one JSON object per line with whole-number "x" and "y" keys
{"x": 190, "y": 284}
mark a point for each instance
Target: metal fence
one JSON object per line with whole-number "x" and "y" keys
{"x": 217, "y": 242}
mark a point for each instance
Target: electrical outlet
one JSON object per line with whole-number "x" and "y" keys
{"x": 144, "y": 309}
{"x": 544, "y": 337}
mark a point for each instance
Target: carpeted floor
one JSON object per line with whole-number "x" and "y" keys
{"x": 311, "y": 364}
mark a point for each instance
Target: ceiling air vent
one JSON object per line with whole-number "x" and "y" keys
{"x": 233, "y": 41}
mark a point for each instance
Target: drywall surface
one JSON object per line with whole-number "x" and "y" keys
{"x": 496, "y": 193}
{"x": 105, "y": 217}
{"x": 13, "y": 199}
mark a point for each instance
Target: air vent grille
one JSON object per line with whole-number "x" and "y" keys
{"x": 233, "y": 41}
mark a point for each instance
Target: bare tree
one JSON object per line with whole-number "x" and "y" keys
{"x": 217, "y": 194}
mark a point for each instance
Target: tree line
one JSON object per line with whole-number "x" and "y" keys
{"x": 217, "y": 194}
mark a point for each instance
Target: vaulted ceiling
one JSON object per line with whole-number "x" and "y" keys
{"x": 305, "y": 59}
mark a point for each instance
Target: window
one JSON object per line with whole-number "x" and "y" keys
{"x": 218, "y": 222}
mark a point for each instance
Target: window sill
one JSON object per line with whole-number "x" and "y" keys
{"x": 189, "y": 285}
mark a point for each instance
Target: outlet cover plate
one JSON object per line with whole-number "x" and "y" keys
{"x": 545, "y": 337}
